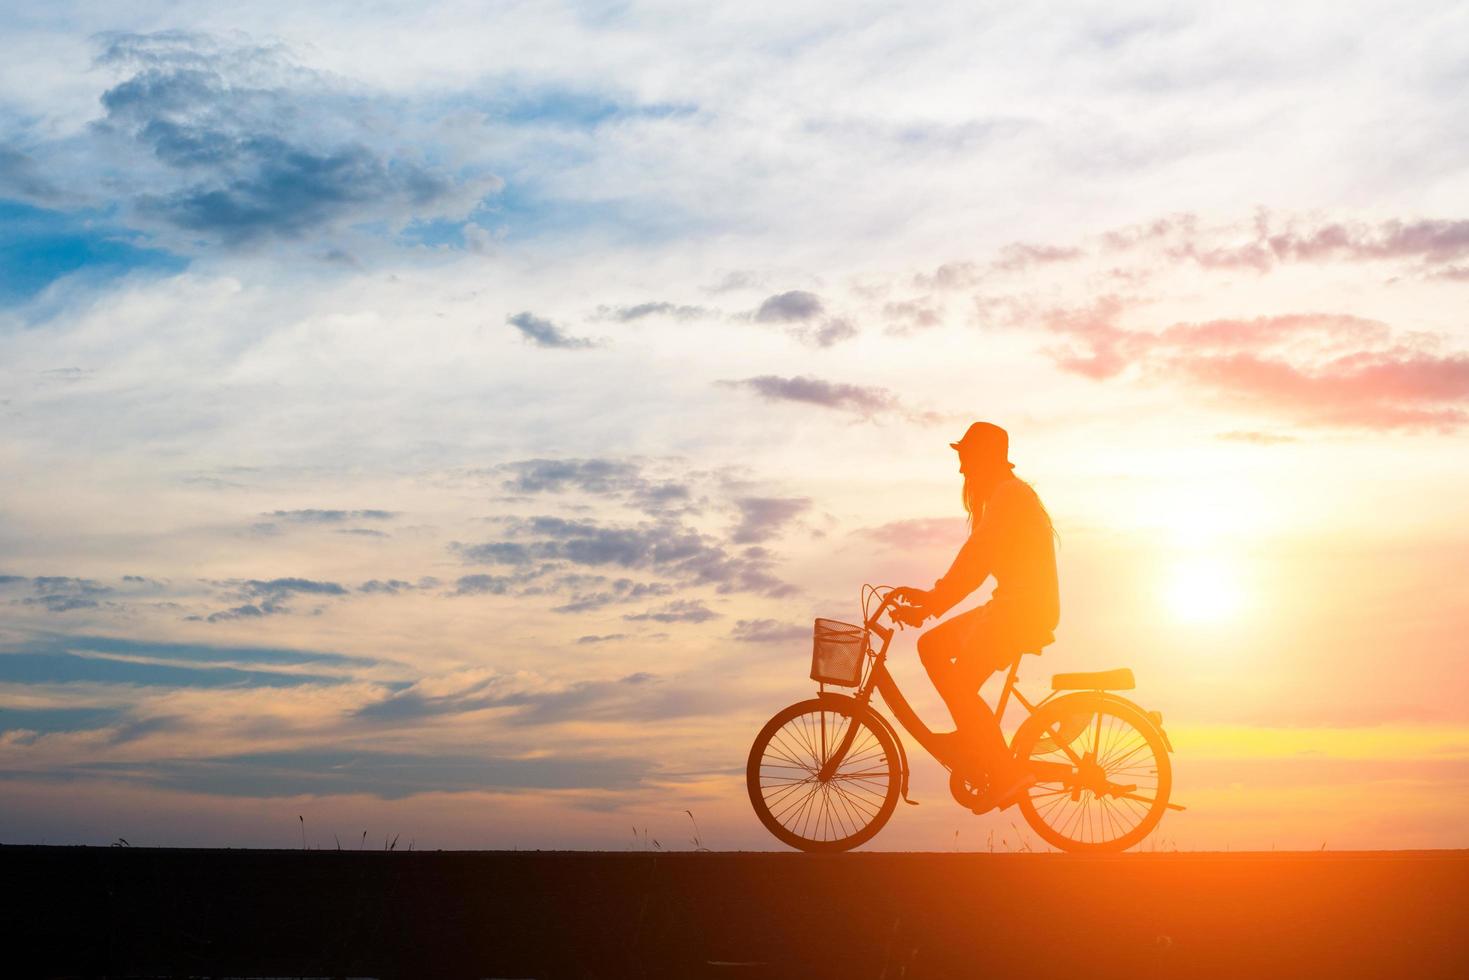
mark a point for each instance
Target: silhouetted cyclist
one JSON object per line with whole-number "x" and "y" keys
{"x": 1010, "y": 537}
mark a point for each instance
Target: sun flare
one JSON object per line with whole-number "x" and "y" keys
{"x": 1203, "y": 589}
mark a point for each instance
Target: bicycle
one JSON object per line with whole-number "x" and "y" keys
{"x": 826, "y": 774}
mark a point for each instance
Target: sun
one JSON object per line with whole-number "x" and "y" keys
{"x": 1203, "y": 589}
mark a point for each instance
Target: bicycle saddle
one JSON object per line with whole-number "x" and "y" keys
{"x": 1097, "y": 680}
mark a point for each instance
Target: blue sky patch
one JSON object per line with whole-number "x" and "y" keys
{"x": 68, "y": 668}
{"x": 38, "y": 247}
{"x": 48, "y": 720}
{"x": 387, "y": 775}
{"x": 197, "y": 652}
{"x": 578, "y": 110}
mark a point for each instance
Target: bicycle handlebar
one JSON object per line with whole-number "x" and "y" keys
{"x": 886, "y": 606}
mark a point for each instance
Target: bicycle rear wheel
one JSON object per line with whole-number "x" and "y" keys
{"x": 1103, "y": 773}
{"x": 783, "y": 776}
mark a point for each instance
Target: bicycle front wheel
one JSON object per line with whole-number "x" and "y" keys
{"x": 791, "y": 799}
{"x": 1103, "y": 773}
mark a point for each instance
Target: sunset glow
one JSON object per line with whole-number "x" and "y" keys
{"x": 450, "y": 419}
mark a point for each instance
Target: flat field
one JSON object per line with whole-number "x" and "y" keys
{"x": 78, "y": 911}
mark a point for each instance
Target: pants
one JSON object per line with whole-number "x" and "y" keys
{"x": 960, "y": 654}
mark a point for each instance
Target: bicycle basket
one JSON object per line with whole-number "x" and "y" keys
{"x": 837, "y": 650}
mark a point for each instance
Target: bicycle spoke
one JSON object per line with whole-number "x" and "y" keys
{"x": 858, "y": 789}
{"x": 1094, "y": 814}
{"x": 796, "y": 804}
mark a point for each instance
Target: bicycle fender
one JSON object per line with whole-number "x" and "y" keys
{"x": 857, "y": 707}
{"x": 1084, "y": 699}
{"x": 1156, "y": 717}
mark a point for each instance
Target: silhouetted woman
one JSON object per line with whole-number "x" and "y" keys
{"x": 1010, "y": 537}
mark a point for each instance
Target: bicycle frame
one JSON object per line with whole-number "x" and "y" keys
{"x": 880, "y": 680}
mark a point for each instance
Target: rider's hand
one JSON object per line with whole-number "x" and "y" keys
{"x": 916, "y": 609}
{"x": 910, "y": 615}
{"x": 911, "y": 596}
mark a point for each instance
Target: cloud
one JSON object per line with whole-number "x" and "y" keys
{"x": 58, "y": 593}
{"x": 22, "y": 177}
{"x": 678, "y": 611}
{"x": 1314, "y": 368}
{"x": 950, "y": 275}
{"x": 622, "y": 479}
{"x": 59, "y": 667}
{"x": 794, "y": 306}
{"x": 288, "y": 191}
{"x": 736, "y": 279}
{"x": 386, "y": 775}
{"x": 641, "y": 311}
{"x": 620, "y": 591}
{"x": 194, "y": 653}
{"x": 602, "y": 476}
{"x": 276, "y": 587}
{"x": 768, "y": 631}
{"x": 1270, "y": 241}
{"x": 918, "y": 532}
{"x": 1018, "y": 256}
{"x": 1009, "y": 259}
{"x": 665, "y": 547}
{"x": 483, "y": 585}
{"x": 269, "y": 597}
{"x": 762, "y": 518}
{"x": 245, "y": 146}
{"x": 801, "y": 313}
{"x": 592, "y": 638}
{"x": 529, "y": 700}
{"x": 395, "y": 586}
{"x": 831, "y": 331}
{"x": 61, "y": 603}
{"x": 544, "y": 333}
{"x": 1390, "y": 389}
{"x": 908, "y": 315}
{"x": 315, "y": 516}
{"x": 866, "y": 401}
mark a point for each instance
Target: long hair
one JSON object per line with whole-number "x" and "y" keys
{"x": 974, "y": 504}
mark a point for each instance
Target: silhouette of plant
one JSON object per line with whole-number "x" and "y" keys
{"x": 696, "y": 840}
{"x": 643, "y": 842}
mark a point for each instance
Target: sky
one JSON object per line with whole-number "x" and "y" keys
{"x": 443, "y": 421}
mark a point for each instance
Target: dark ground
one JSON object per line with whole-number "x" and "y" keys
{"x": 136, "y": 912}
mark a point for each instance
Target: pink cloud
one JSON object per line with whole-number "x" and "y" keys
{"x": 1014, "y": 257}
{"x": 1262, "y": 244}
{"x": 1309, "y": 368}
{"x": 918, "y": 532}
{"x": 1381, "y": 391}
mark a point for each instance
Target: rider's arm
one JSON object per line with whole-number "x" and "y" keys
{"x": 969, "y": 569}
{"x": 975, "y": 560}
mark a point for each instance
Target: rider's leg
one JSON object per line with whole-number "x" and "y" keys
{"x": 979, "y": 726}
{"x": 937, "y": 649}
{"x": 959, "y": 655}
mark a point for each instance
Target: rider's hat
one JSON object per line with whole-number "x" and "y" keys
{"x": 987, "y": 442}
